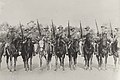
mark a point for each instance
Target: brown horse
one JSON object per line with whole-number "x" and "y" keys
{"x": 103, "y": 49}
{"x": 27, "y": 51}
{"x": 1, "y": 51}
{"x": 114, "y": 50}
{"x": 12, "y": 51}
{"x": 60, "y": 51}
{"x": 88, "y": 50}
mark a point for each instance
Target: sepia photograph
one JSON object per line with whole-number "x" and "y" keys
{"x": 59, "y": 39}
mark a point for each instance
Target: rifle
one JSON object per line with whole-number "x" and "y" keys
{"x": 81, "y": 30}
{"x": 68, "y": 30}
{"x": 39, "y": 28}
{"x": 97, "y": 27}
{"x": 53, "y": 29}
{"x": 21, "y": 31}
{"x": 111, "y": 30}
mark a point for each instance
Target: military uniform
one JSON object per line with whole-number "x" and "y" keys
{"x": 60, "y": 31}
{"x": 47, "y": 37}
{"x": 9, "y": 39}
{"x": 116, "y": 37}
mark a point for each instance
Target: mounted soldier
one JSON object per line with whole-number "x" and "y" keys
{"x": 103, "y": 47}
{"x": 115, "y": 46}
{"x": 47, "y": 33}
{"x": 87, "y": 31}
{"x": 60, "y": 31}
{"x": 9, "y": 38}
{"x": 73, "y": 47}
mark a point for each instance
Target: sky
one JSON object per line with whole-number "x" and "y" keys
{"x": 60, "y": 11}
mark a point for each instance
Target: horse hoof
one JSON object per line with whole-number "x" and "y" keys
{"x": 40, "y": 68}
{"x": 71, "y": 69}
{"x": 26, "y": 70}
{"x": 99, "y": 68}
{"x": 85, "y": 68}
{"x": 10, "y": 70}
{"x": 105, "y": 68}
{"x": 90, "y": 68}
{"x": 55, "y": 70}
{"x": 48, "y": 68}
{"x": 74, "y": 68}
{"x": 30, "y": 69}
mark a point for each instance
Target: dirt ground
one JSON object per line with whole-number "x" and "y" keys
{"x": 78, "y": 74}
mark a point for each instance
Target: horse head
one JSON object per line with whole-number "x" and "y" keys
{"x": 29, "y": 42}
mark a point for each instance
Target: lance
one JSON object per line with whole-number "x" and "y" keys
{"x": 53, "y": 29}
{"x": 38, "y": 28}
{"x": 68, "y": 30}
{"x": 81, "y": 35}
{"x": 97, "y": 27}
{"x": 111, "y": 30}
{"x": 21, "y": 31}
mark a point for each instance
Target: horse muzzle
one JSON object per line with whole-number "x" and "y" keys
{"x": 19, "y": 53}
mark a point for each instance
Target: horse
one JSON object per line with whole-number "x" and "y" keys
{"x": 44, "y": 50}
{"x": 73, "y": 50}
{"x": 88, "y": 50}
{"x": 60, "y": 51}
{"x": 115, "y": 51}
{"x": 103, "y": 50}
{"x": 11, "y": 50}
{"x": 1, "y": 51}
{"x": 27, "y": 51}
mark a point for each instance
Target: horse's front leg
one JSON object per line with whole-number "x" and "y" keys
{"x": 85, "y": 58}
{"x": 10, "y": 63}
{"x": 40, "y": 57}
{"x": 100, "y": 66}
{"x": 63, "y": 66}
{"x": 97, "y": 56}
{"x": 49, "y": 57}
{"x": 119, "y": 61}
{"x": 25, "y": 65}
{"x": 70, "y": 62}
{"x": 0, "y": 61}
{"x": 75, "y": 61}
{"x": 88, "y": 61}
{"x": 7, "y": 60}
{"x": 15, "y": 59}
{"x": 106, "y": 56}
{"x": 56, "y": 63}
{"x": 30, "y": 63}
{"x": 91, "y": 62}
{"x": 115, "y": 60}
{"x": 0, "y": 64}
{"x": 60, "y": 59}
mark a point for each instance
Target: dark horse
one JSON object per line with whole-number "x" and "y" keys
{"x": 1, "y": 51}
{"x": 103, "y": 49}
{"x": 27, "y": 50}
{"x": 73, "y": 49}
{"x": 60, "y": 51}
{"x": 88, "y": 50}
{"x": 12, "y": 51}
{"x": 114, "y": 50}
